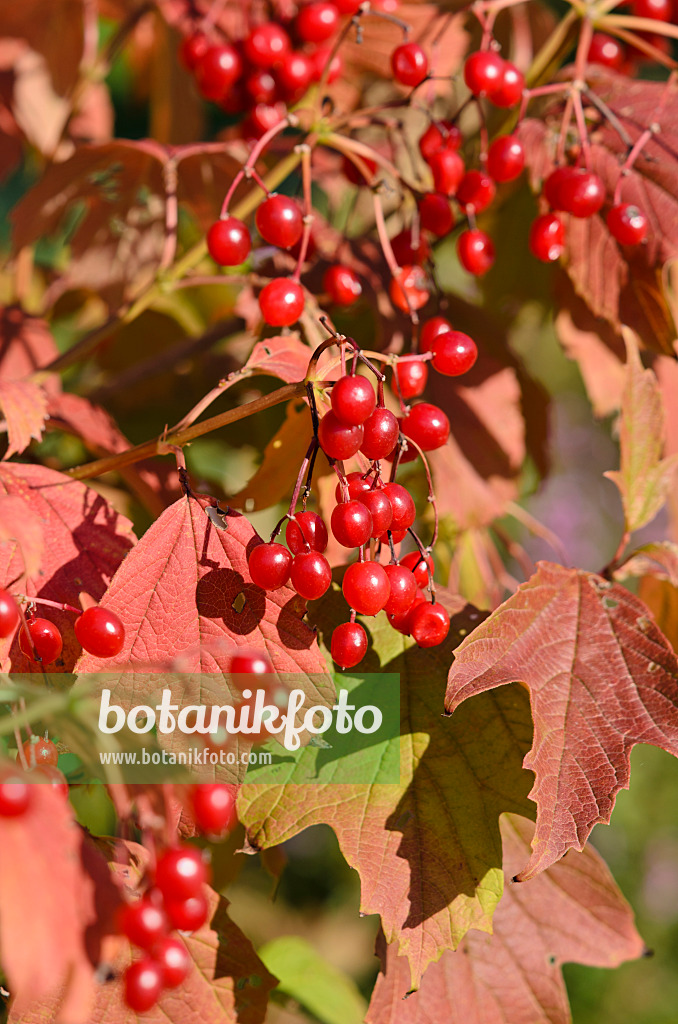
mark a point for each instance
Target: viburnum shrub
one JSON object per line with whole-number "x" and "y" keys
{"x": 324, "y": 256}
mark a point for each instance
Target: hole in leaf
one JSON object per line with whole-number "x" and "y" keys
{"x": 239, "y": 603}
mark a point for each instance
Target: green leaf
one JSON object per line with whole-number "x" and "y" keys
{"x": 319, "y": 987}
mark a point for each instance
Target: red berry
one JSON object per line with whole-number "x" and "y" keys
{"x": 553, "y": 185}
{"x": 403, "y": 589}
{"x": 417, "y": 564}
{"x": 248, "y": 661}
{"x": 347, "y": 6}
{"x": 483, "y": 72}
{"x": 261, "y": 118}
{"x": 411, "y": 376}
{"x": 260, "y": 86}
{"x": 366, "y": 587}
{"x": 435, "y": 214}
{"x": 547, "y": 237}
{"x": 279, "y": 221}
{"x": 351, "y": 523}
{"x": 306, "y": 528}
{"x": 509, "y": 90}
{"x": 454, "y": 353}
{"x": 317, "y": 21}
{"x": 380, "y": 434}
{"x": 506, "y": 158}
{"x": 582, "y": 193}
{"x": 627, "y": 224}
{"x": 380, "y": 508}
{"x": 401, "y": 620}
{"x": 46, "y": 639}
{"x": 447, "y": 168}
{"x": 311, "y": 575}
{"x": 281, "y": 302}
{"x": 429, "y": 624}
{"x": 409, "y": 64}
{"x": 607, "y": 51}
{"x": 15, "y": 794}
{"x": 100, "y": 632}
{"x": 39, "y": 751}
{"x": 266, "y": 44}
{"x": 411, "y": 284}
{"x": 342, "y": 285}
{"x": 476, "y": 190}
{"x": 188, "y": 915}
{"x": 192, "y": 49}
{"x": 348, "y": 644}
{"x": 357, "y": 484}
{"x": 217, "y": 70}
{"x": 353, "y": 174}
{"x": 658, "y": 10}
{"x": 270, "y": 566}
{"x": 9, "y": 614}
{"x": 319, "y": 59}
{"x": 173, "y": 958}
{"x": 228, "y": 242}
{"x": 295, "y": 74}
{"x": 181, "y": 873}
{"x": 406, "y": 250}
{"x": 430, "y": 331}
{"x": 395, "y": 535}
{"x": 353, "y": 400}
{"x": 143, "y": 985}
{"x": 213, "y": 807}
{"x": 427, "y": 425}
{"x": 143, "y": 922}
{"x": 404, "y": 509}
{"x": 439, "y": 135}
{"x": 338, "y": 440}
{"x": 476, "y": 251}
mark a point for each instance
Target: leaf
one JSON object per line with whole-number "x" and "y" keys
{"x": 305, "y": 976}
{"x": 574, "y": 912}
{"x": 283, "y": 455}
{"x": 427, "y": 850}
{"x": 645, "y": 477}
{"x": 601, "y": 678}
{"x": 285, "y": 357}
{"x": 595, "y": 347}
{"x": 85, "y": 541}
{"x": 26, "y": 345}
{"x": 24, "y": 405}
{"x": 21, "y": 526}
{"x": 658, "y": 558}
{"x": 52, "y": 27}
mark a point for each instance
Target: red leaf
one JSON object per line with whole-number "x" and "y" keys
{"x": 21, "y": 527}
{"x": 26, "y": 345}
{"x": 52, "y": 27}
{"x": 24, "y": 405}
{"x": 601, "y": 677}
{"x": 574, "y": 913}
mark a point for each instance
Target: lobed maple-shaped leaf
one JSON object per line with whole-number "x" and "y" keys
{"x": 428, "y": 849}
{"x": 573, "y": 913}
{"x": 24, "y": 404}
{"x": 601, "y": 678}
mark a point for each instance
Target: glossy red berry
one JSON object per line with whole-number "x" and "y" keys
{"x": 38, "y": 751}
{"x": 430, "y": 331}
{"x": 342, "y": 284}
{"x": 427, "y": 425}
{"x": 454, "y": 353}
{"x": 9, "y": 614}
{"x": 281, "y": 302}
{"x": 409, "y": 64}
{"x": 279, "y": 221}
{"x": 582, "y": 193}
{"x": 409, "y": 290}
{"x": 447, "y": 168}
{"x": 476, "y": 251}
{"x": 295, "y": 74}
{"x": 627, "y": 224}
{"x": 508, "y": 92}
{"x": 416, "y": 562}
{"x": 174, "y": 960}
{"x": 505, "y": 158}
{"x": 429, "y": 624}
{"x": 353, "y": 400}
{"x": 337, "y": 439}
{"x": 547, "y": 237}
{"x": 351, "y": 523}
{"x": 352, "y": 172}
{"x": 270, "y": 566}
{"x": 249, "y": 661}
{"x": 228, "y": 242}
{"x": 261, "y": 118}
{"x": 347, "y": 6}
{"x": 213, "y": 807}
{"x": 483, "y": 72}
{"x": 217, "y": 71}
{"x": 400, "y": 620}
{"x": 46, "y": 639}
{"x": 266, "y": 44}
{"x": 357, "y": 485}
{"x": 143, "y": 985}
{"x": 379, "y": 505}
{"x": 100, "y": 632}
{"x": 319, "y": 59}
{"x": 15, "y": 794}
{"x": 306, "y": 528}
{"x": 317, "y": 21}
{"x": 403, "y": 589}
{"x": 407, "y": 250}
{"x": 143, "y": 922}
{"x": 187, "y": 915}
{"x": 607, "y": 51}
{"x": 476, "y": 191}
{"x": 349, "y": 644}
{"x": 260, "y": 86}
{"x": 439, "y": 135}
{"x": 380, "y": 434}
{"x": 192, "y": 49}
{"x": 402, "y": 503}
{"x": 435, "y": 214}
{"x": 366, "y": 587}
{"x": 311, "y": 575}
{"x": 181, "y": 873}
{"x": 410, "y": 377}
{"x": 657, "y": 10}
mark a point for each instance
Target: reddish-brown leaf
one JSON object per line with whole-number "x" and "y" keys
{"x": 595, "y": 347}
{"x": 26, "y": 345}
{"x": 275, "y": 477}
{"x": 21, "y": 527}
{"x": 52, "y": 27}
{"x": 24, "y": 405}
{"x": 601, "y": 677}
{"x": 574, "y": 912}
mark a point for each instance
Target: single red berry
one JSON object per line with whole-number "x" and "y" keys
{"x": 15, "y": 794}
{"x": 228, "y": 242}
{"x": 192, "y": 49}
{"x": 46, "y": 639}
{"x": 187, "y": 915}
{"x": 352, "y": 172}
{"x": 582, "y": 193}
{"x": 410, "y": 376}
{"x": 143, "y": 922}
{"x": 401, "y": 620}
{"x": 279, "y": 221}
{"x": 143, "y": 985}
{"x": 429, "y": 624}
{"x": 509, "y": 90}
{"x": 260, "y": 86}
{"x": 483, "y": 72}
{"x": 342, "y": 284}
{"x": 317, "y": 21}
{"x": 266, "y": 44}
{"x": 294, "y": 74}
{"x": 366, "y": 587}
{"x": 447, "y": 168}
{"x": 337, "y": 439}
{"x": 213, "y": 807}
{"x": 396, "y": 536}
{"x": 9, "y": 614}
{"x": 404, "y": 509}
{"x": 357, "y": 484}
{"x": 553, "y": 185}
{"x": 38, "y": 751}
{"x": 607, "y": 51}
{"x": 427, "y": 425}
{"x": 409, "y": 64}
{"x": 174, "y": 960}
{"x": 380, "y": 508}
{"x": 319, "y": 59}
{"x": 506, "y": 158}
{"x": 281, "y": 302}
{"x": 547, "y": 237}
{"x": 306, "y": 528}
{"x": 348, "y": 644}
{"x": 476, "y": 251}
{"x": 403, "y": 588}
{"x": 249, "y": 661}
{"x": 311, "y": 575}
{"x": 454, "y": 353}
{"x": 351, "y": 523}
{"x": 658, "y": 10}
{"x": 411, "y": 284}
{"x": 380, "y": 434}
{"x": 347, "y": 6}
{"x": 270, "y": 566}
{"x": 439, "y": 135}
{"x": 100, "y": 632}
{"x": 476, "y": 191}
{"x": 218, "y": 69}
{"x": 416, "y": 562}
{"x": 627, "y": 224}
{"x": 407, "y": 250}
{"x": 181, "y": 873}
{"x": 353, "y": 400}
{"x": 263, "y": 117}
{"x": 435, "y": 214}
{"x": 430, "y": 331}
